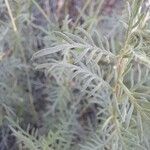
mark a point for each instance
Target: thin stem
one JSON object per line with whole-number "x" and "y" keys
{"x": 11, "y": 16}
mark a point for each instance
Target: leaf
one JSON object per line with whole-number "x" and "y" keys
{"x": 56, "y": 49}
{"x": 129, "y": 115}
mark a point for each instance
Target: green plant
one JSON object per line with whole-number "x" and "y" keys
{"x": 116, "y": 81}
{"x": 95, "y": 93}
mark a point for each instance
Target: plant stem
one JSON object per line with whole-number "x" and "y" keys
{"x": 11, "y": 16}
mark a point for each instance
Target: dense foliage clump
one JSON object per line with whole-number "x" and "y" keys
{"x": 74, "y": 81}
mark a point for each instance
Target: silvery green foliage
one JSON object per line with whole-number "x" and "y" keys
{"x": 7, "y": 79}
{"x": 114, "y": 78}
{"x": 11, "y": 64}
{"x": 97, "y": 85}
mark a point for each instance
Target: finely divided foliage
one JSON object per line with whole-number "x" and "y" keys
{"x": 114, "y": 81}
{"x": 98, "y": 86}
